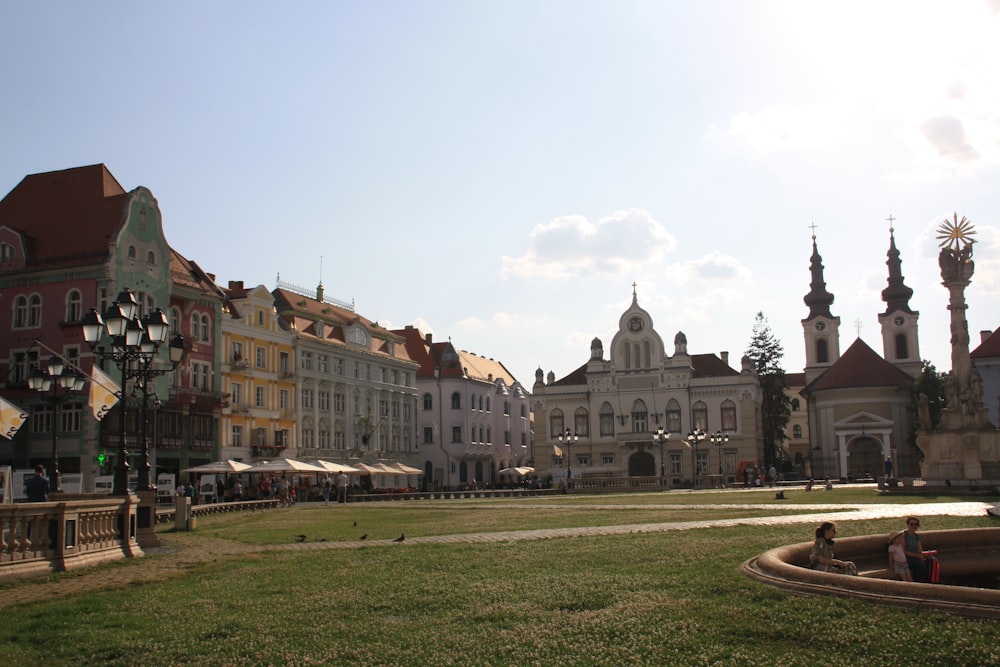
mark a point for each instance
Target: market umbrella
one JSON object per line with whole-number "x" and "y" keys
{"x": 407, "y": 470}
{"x": 286, "y": 465}
{"x": 520, "y": 471}
{"x": 329, "y": 466}
{"x": 220, "y": 467}
{"x": 365, "y": 469}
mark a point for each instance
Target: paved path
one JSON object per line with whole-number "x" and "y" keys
{"x": 184, "y": 550}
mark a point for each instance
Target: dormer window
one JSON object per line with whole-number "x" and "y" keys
{"x": 357, "y": 336}
{"x": 320, "y": 326}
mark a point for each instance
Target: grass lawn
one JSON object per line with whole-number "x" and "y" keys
{"x": 668, "y": 598}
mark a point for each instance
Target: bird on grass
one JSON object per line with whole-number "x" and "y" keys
{"x": 364, "y": 537}
{"x": 400, "y": 538}
{"x": 300, "y": 538}
{"x": 355, "y": 524}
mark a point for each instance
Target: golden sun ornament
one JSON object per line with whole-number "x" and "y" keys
{"x": 954, "y": 234}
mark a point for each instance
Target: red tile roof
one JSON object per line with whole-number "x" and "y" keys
{"x": 51, "y": 208}
{"x": 859, "y": 366}
{"x": 989, "y": 347}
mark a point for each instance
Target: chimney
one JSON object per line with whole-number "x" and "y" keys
{"x": 235, "y": 284}
{"x": 429, "y": 338}
{"x": 984, "y": 334}
{"x": 319, "y": 292}
{"x": 725, "y": 357}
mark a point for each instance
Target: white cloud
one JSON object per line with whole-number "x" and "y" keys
{"x": 572, "y": 246}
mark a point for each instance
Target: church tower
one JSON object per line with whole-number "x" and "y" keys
{"x": 821, "y": 330}
{"x": 900, "y": 345}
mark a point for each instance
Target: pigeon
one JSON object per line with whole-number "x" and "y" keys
{"x": 400, "y": 538}
{"x": 355, "y": 524}
{"x": 300, "y": 538}
{"x": 364, "y": 537}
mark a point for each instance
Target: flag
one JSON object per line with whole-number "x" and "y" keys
{"x": 103, "y": 392}
{"x": 556, "y": 449}
{"x": 11, "y": 418}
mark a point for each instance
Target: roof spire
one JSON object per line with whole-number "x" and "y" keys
{"x": 897, "y": 294}
{"x": 818, "y": 299}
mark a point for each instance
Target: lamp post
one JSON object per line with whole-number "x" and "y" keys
{"x": 134, "y": 345}
{"x": 661, "y": 436}
{"x": 693, "y": 438}
{"x": 56, "y": 376}
{"x": 567, "y": 439}
{"x": 719, "y": 438}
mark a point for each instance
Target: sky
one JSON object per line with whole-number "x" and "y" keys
{"x": 500, "y": 173}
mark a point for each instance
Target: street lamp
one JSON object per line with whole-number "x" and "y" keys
{"x": 719, "y": 438}
{"x": 135, "y": 342}
{"x": 568, "y": 438}
{"x": 693, "y": 438}
{"x": 56, "y": 376}
{"x": 661, "y": 436}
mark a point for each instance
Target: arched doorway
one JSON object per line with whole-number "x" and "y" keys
{"x": 642, "y": 464}
{"x": 864, "y": 457}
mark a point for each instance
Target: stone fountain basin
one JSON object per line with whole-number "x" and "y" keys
{"x": 963, "y": 554}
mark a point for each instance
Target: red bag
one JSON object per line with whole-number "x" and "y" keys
{"x": 933, "y": 566}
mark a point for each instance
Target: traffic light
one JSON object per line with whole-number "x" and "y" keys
{"x": 102, "y": 458}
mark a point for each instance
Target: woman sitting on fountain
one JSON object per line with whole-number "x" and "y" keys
{"x": 821, "y": 557}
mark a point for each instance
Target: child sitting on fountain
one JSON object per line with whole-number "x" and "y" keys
{"x": 897, "y": 558}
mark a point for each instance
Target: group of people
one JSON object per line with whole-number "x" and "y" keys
{"x": 342, "y": 483}
{"x": 907, "y": 560}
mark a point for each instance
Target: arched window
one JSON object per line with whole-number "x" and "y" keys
{"x": 194, "y": 327}
{"x": 487, "y": 404}
{"x": 150, "y": 257}
{"x": 74, "y": 305}
{"x": 131, "y": 252}
{"x": 556, "y": 423}
{"x": 822, "y": 356}
{"x": 797, "y": 431}
{"x": 456, "y": 401}
{"x": 428, "y": 402}
{"x": 673, "y": 416}
{"x": 628, "y": 356}
{"x": 647, "y": 355}
{"x": 795, "y": 404}
{"x": 902, "y": 349}
{"x": 206, "y": 328}
{"x": 699, "y": 415}
{"x": 175, "y": 320}
{"x": 607, "y": 419}
{"x": 728, "y": 414}
{"x": 581, "y": 422}
{"x": 639, "y": 417}
{"x": 35, "y": 311}
{"x": 20, "y": 318}
{"x": 506, "y": 407}
{"x": 524, "y": 411}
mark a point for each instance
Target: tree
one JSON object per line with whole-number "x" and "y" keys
{"x": 930, "y": 383}
{"x": 765, "y": 353}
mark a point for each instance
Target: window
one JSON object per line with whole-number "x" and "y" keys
{"x": 795, "y": 404}
{"x": 323, "y": 400}
{"x": 338, "y": 366}
{"x": 797, "y": 431}
{"x": 487, "y": 404}
{"x": 150, "y": 257}
{"x": 206, "y": 329}
{"x": 74, "y": 306}
{"x": 35, "y": 311}
{"x": 674, "y": 461}
{"x": 729, "y": 462}
{"x": 194, "y": 327}
{"x": 20, "y": 312}
{"x": 581, "y": 422}
{"x": 131, "y": 252}
{"x": 639, "y": 417}
{"x": 321, "y": 363}
{"x": 607, "y": 419}
{"x": 673, "y": 416}
{"x": 260, "y": 399}
{"x": 728, "y": 414}
{"x": 699, "y": 414}
{"x": 428, "y": 435}
{"x": 456, "y": 434}
{"x": 822, "y": 356}
{"x": 236, "y": 440}
{"x": 261, "y": 353}
{"x": 237, "y": 395}
{"x": 902, "y": 349}
{"x": 200, "y": 376}
{"x": 702, "y": 461}
{"x": 506, "y": 437}
{"x": 456, "y": 401}
{"x": 608, "y": 459}
{"x": 237, "y": 352}
{"x": 283, "y": 399}
{"x": 284, "y": 363}
{"x": 556, "y": 424}
{"x": 175, "y": 320}
{"x": 260, "y": 318}
{"x": 307, "y": 398}
{"x": 339, "y": 402}
{"x": 306, "y": 361}
{"x": 428, "y": 402}
{"x": 506, "y": 407}
{"x": 583, "y": 460}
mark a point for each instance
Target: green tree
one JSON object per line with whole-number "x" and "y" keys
{"x": 765, "y": 352}
{"x": 930, "y": 383}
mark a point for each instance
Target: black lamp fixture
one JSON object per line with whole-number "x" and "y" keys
{"x": 135, "y": 343}
{"x": 661, "y": 436}
{"x": 568, "y": 438}
{"x": 55, "y": 384}
{"x": 693, "y": 438}
{"x": 719, "y": 438}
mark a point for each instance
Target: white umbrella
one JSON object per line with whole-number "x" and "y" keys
{"x": 329, "y": 466}
{"x": 521, "y": 471}
{"x": 220, "y": 467}
{"x": 405, "y": 469}
{"x": 286, "y": 465}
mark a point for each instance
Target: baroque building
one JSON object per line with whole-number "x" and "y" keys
{"x": 474, "y": 417}
{"x": 859, "y": 403}
{"x": 599, "y": 421}
{"x": 72, "y": 240}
